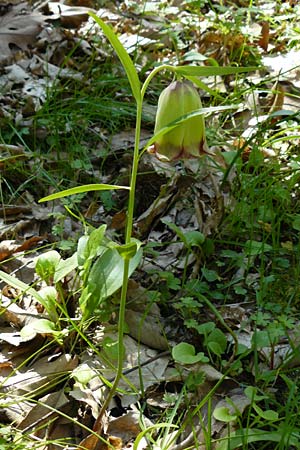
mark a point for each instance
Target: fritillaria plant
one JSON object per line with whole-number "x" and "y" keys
{"x": 179, "y": 133}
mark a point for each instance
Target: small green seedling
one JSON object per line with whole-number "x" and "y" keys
{"x": 185, "y": 353}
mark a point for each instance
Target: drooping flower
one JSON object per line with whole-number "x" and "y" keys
{"x": 187, "y": 139}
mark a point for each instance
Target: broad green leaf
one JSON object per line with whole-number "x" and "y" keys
{"x": 239, "y": 290}
{"x": 40, "y": 326}
{"x": 194, "y": 238}
{"x": 177, "y": 230}
{"x": 49, "y": 296}
{"x": 111, "y": 348}
{"x": 64, "y": 267}
{"x": 217, "y": 341}
{"x": 92, "y": 246}
{"x": 107, "y": 272}
{"x": 251, "y": 393}
{"x": 254, "y": 248}
{"x": 184, "y": 353}
{"x": 283, "y": 112}
{"x": 105, "y": 278}
{"x": 208, "y": 71}
{"x": 268, "y": 415}
{"x": 81, "y": 249}
{"x": 215, "y": 348}
{"x": 81, "y": 190}
{"x": 127, "y": 251}
{"x": 260, "y": 339}
{"x": 206, "y": 328}
{"x": 46, "y": 265}
{"x": 223, "y": 414}
{"x": 171, "y": 281}
{"x": 296, "y": 222}
{"x": 188, "y": 238}
{"x": 123, "y": 56}
{"x": 83, "y": 374}
{"x": 210, "y": 275}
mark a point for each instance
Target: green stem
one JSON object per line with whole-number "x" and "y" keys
{"x": 128, "y": 234}
{"x": 227, "y": 327}
{"x": 152, "y": 74}
{"x": 130, "y": 214}
{"x": 122, "y": 308}
{"x": 130, "y": 209}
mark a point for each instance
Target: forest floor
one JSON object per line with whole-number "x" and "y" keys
{"x": 212, "y": 331}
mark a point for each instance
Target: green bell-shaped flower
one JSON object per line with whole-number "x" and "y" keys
{"x": 186, "y": 140}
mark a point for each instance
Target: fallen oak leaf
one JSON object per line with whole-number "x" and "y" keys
{"x": 8, "y": 248}
{"x": 19, "y": 30}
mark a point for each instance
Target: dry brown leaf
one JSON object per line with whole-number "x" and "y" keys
{"x": 128, "y": 426}
{"x": 13, "y": 210}
{"x": 138, "y": 299}
{"x": 19, "y": 30}
{"x": 119, "y": 220}
{"x": 7, "y": 334}
{"x": 263, "y": 42}
{"x": 70, "y": 16}
{"x": 17, "y": 317}
{"x": 146, "y": 329}
{"x": 11, "y": 153}
{"x": 125, "y": 140}
{"x": 13, "y": 411}
{"x": 8, "y": 248}
{"x": 40, "y": 376}
{"x": 43, "y": 410}
{"x": 91, "y": 442}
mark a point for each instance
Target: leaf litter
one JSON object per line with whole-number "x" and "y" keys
{"x": 186, "y": 196}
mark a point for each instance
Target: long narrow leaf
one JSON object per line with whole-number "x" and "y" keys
{"x": 82, "y": 189}
{"x": 244, "y": 437}
{"x": 25, "y": 288}
{"x": 207, "y": 71}
{"x": 123, "y": 55}
{"x": 204, "y": 87}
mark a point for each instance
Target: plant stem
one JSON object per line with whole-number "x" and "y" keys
{"x": 130, "y": 213}
{"x": 227, "y": 327}
{"x": 152, "y": 74}
{"x": 122, "y": 308}
{"x": 130, "y": 209}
